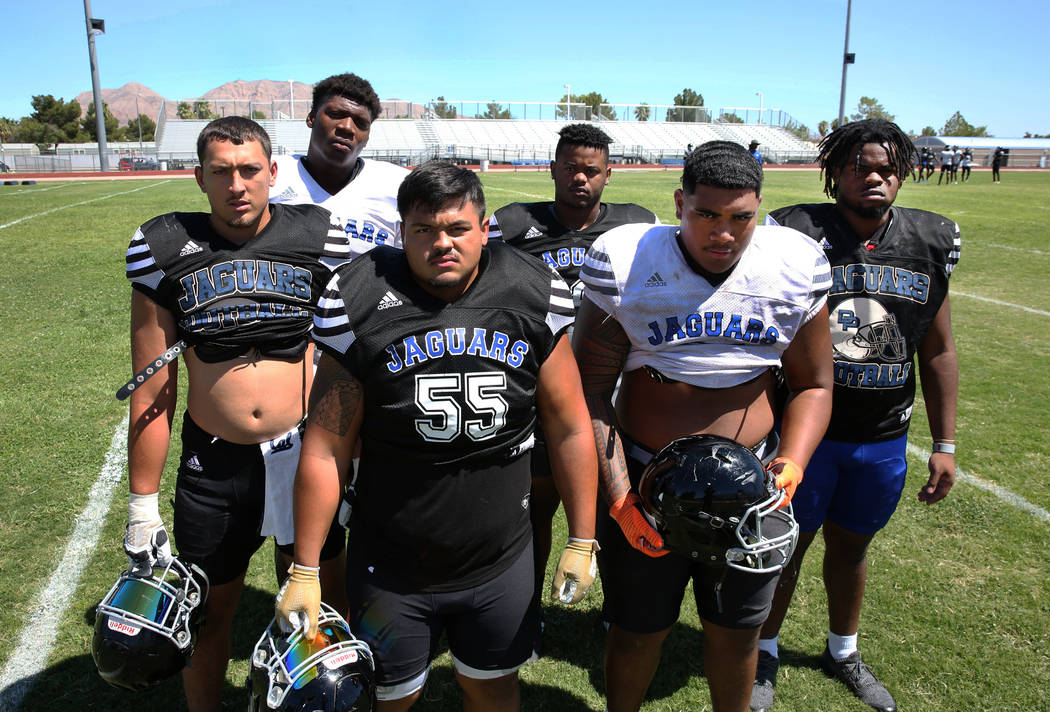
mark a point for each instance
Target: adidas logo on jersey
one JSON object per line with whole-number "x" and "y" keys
{"x": 194, "y": 464}
{"x": 532, "y": 233}
{"x": 824, "y": 243}
{"x": 655, "y": 280}
{"x": 190, "y": 248}
{"x": 286, "y": 194}
{"x": 389, "y": 300}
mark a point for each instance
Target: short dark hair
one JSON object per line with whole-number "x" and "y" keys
{"x": 236, "y": 130}
{"x": 839, "y": 146}
{"x": 585, "y": 135}
{"x": 721, "y": 164}
{"x": 349, "y": 86}
{"x": 435, "y": 183}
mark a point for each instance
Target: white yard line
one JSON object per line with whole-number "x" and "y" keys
{"x": 1014, "y": 500}
{"x": 83, "y": 202}
{"x": 1030, "y": 310}
{"x": 1029, "y": 250}
{"x": 38, "y": 636}
{"x": 30, "y": 189}
{"x": 517, "y": 192}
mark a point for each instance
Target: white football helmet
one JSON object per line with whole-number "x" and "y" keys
{"x": 862, "y": 330}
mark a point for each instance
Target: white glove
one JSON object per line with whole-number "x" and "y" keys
{"x": 145, "y": 539}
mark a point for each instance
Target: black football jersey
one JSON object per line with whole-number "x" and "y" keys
{"x": 228, "y": 298}
{"x": 449, "y": 390}
{"x": 532, "y": 228}
{"x": 882, "y": 301}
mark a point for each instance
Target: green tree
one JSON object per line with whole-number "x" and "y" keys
{"x": 90, "y": 127}
{"x": 53, "y": 121}
{"x": 1027, "y": 134}
{"x": 730, "y": 119}
{"x": 494, "y": 110}
{"x": 443, "y": 110}
{"x": 956, "y": 125}
{"x": 928, "y": 131}
{"x": 258, "y": 115}
{"x": 202, "y": 110}
{"x": 184, "y": 110}
{"x": 688, "y": 97}
{"x": 149, "y": 128}
{"x": 592, "y": 111}
{"x": 800, "y": 130}
{"x": 869, "y": 108}
{"x": 642, "y": 112}
{"x": 823, "y": 128}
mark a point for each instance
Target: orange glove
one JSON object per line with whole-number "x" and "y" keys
{"x": 627, "y": 512}
{"x": 788, "y": 476}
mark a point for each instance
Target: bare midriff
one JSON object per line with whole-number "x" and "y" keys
{"x": 655, "y": 413}
{"x": 249, "y": 399}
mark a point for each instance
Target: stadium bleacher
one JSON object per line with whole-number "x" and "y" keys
{"x": 514, "y": 141}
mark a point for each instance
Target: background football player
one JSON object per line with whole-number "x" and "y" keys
{"x": 696, "y": 316}
{"x": 559, "y": 232}
{"x": 889, "y": 303}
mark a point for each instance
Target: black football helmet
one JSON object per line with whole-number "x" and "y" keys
{"x": 145, "y": 628}
{"x": 334, "y": 672}
{"x": 712, "y": 501}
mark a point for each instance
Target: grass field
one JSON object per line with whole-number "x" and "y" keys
{"x": 957, "y": 613}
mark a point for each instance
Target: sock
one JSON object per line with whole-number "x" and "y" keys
{"x": 770, "y": 645}
{"x": 841, "y": 646}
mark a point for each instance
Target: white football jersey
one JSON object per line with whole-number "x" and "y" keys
{"x": 365, "y": 210}
{"x": 696, "y": 333}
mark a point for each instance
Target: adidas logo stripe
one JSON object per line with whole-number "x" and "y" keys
{"x": 655, "y": 280}
{"x": 389, "y": 300}
{"x": 190, "y": 248}
{"x": 532, "y": 233}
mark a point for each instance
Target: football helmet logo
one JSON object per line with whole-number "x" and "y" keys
{"x": 862, "y": 330}
{"x": 334, "y": 672}
{"x": 713, "y": 502}
{"x": 145, "y": 628}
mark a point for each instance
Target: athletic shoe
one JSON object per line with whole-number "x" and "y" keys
{"x": 858, "y": 677}
{"x": 765, "y": 682}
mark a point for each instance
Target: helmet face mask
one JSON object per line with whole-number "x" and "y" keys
{"x": 145, "y": 628}
{"x": 714, "y": 503}
{"x": 333, "y": 672}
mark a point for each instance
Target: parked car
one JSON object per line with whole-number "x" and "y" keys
{"x": 126, "y": 164}
{"x": 146, "y": 164}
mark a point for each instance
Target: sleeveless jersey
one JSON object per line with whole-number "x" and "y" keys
{"x": 533, "y": 228}
{"x": 696, "y": 333}
{"x": 449, "y": 391}
{"x": 229, "y": 298}
{"x": 881, "y": 303}
{"x": 364, "y": 211}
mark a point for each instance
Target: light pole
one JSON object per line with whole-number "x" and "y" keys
{"x": 568, "y": 101}
{"x": 96, "y": 27}
{"x": 291, "y": 100}
{"x": 761, "y": 105}
{"x": 847, "y": 59}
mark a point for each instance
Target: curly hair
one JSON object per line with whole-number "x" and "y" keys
{"x": 585, "y": 135}
{"x": 721, "y": 164}
{"x": 349, "y": 86}
{"x": 844, "y": 144}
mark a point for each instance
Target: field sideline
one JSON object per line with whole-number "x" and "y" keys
{"x": 956, "y": 614}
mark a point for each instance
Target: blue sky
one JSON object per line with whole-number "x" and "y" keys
{"x": 921, "y": 60}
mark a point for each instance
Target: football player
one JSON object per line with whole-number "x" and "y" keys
{"x": 696, "y": 317}
{"x": 559, "y": 232}
{"x": 888, "y": 302}
{"x": 361, "y": 194}
{"x": 439, "y": 359}
{"x": 238, "y": 285}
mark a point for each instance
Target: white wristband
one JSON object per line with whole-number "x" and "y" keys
{"x": 143, "y": 507}
{"x": 948, "y": 448}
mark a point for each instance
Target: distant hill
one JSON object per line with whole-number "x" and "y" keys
{"x": 269, "y": 96}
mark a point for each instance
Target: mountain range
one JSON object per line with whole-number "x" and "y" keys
{"x": 269, "y": 96}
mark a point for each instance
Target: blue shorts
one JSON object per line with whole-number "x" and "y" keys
{"x": 855, "y": 485}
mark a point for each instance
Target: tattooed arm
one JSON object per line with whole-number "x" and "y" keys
{"x": 601, "y": 348}
{"x": 332, "y": 427}
{"x": 601, "y": 352}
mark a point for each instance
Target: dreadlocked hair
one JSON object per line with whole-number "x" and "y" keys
{"x": 843, "y": 145}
